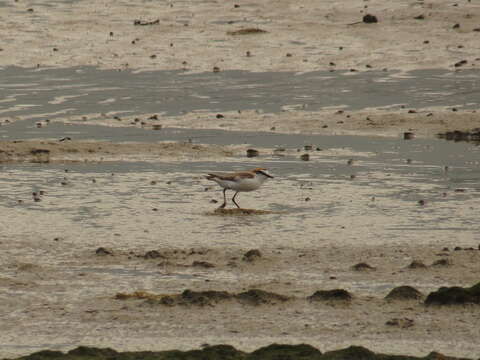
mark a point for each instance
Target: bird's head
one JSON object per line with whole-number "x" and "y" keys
{"x": 262, "y": 172}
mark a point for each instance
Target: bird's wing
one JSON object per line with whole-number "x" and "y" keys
{"x": 231, "y": 177}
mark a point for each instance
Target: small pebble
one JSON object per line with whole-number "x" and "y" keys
{"x": 370, "y": 19}
{"x": 252, "y": 153}
{"x": 305, "y": 157}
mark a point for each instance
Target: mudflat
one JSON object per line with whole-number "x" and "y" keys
{"x": 110, "y": 233}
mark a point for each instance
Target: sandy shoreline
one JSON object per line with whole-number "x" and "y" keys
{"x": 303, "y": 36}
{"x": 424, "y": 123}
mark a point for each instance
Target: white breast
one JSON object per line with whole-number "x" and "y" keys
{"x": 244, "y": 184}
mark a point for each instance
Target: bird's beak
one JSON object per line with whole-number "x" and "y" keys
{"x": 270, "y": 176}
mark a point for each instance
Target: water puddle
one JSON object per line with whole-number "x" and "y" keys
{"x": 41, "y": 93}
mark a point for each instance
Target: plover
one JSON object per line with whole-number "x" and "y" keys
{"x": 239, "y": 181}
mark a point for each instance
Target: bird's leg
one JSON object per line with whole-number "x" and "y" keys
{"x": 233, "y": 199}
{"x": 224, "y": 200}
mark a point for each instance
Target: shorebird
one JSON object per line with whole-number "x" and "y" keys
{"x": 239, "y": 181}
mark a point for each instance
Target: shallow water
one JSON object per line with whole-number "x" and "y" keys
{"x": 49, "y": 93}
{"x": 390, "y": 177}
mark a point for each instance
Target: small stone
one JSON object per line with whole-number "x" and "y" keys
{"x": 370, "y": 19}
{"x": 305, "y": 157}
{"x": 252, "y": 153}
{"x": 219, "y": 116}
{"x": 153, "y": 254}
{"x": 362, "y": 267}
{"x": 402, "y": 323}
{"x": 442, "y": 262}
{"x": 101, "y": 251}
{"x": 416, "y": 264}
{"x": 203, "y": 264}
{"x": 216, "y": 69}
{"x": 419, "y": 17}
{"x": 252, "y": 255}
{"x": 408, "y": 135}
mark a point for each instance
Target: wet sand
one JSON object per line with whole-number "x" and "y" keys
{"x": 408, "y": 35}
{"x": 106, "y": 228}
{"x": 65, "y": 150}
{"x": 123, "y": 206}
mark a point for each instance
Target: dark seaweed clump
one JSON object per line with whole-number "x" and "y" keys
{"x": 331, "y": 295}
{"x": 253, "y": 297}
{"x": 227, "y": 352}
{"x": 404, "y": 293}
{"x": 454, "y": 295}
{"x": 457, "y": 135}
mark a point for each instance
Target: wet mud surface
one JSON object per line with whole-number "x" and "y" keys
{"x": 110, "y": 236}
